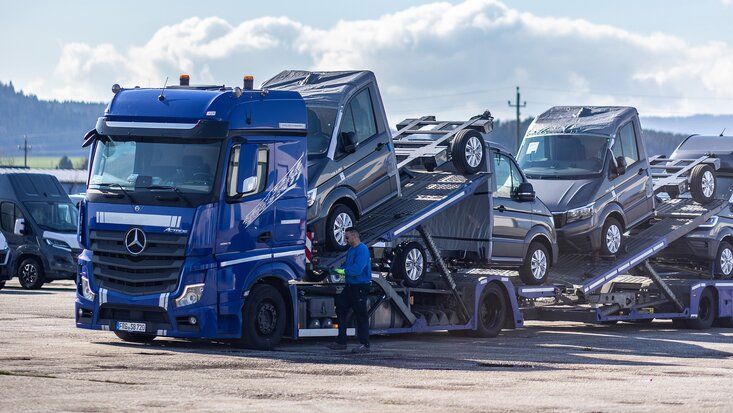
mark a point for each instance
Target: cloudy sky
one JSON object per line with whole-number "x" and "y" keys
{"x": 450, "y": 58}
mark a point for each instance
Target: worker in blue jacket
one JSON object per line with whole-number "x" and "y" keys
{"x": 358, "y": 272}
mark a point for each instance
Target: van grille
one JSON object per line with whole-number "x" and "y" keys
{"x": 155, "y": 270}
{"x": 559, "y": 219}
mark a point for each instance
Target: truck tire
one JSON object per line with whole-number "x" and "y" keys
{"x": 724, "y": 261}
{"x": 409, "y": 263}
{"x": 536, "y": 265}
{"x": 706, "y": 312}
{"x": 263, "y": 318}
{"x": 30, "y": 274}
{"x": 468, "y": 152}
{"x": 491, "y": 312}
{"x": 2, "y": 284}
{"x": 612, "y": 237}
{"x": 703, "y": 183}
{"x": 135, "y": 337}
{"x": 340, "y": 218}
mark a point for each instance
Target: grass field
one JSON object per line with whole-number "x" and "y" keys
{"x": 46, "y": 162}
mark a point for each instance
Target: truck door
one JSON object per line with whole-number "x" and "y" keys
{"x": 290, "y": 208}
{"x": 631, "y": 187}
{"x": 512, "y": 219}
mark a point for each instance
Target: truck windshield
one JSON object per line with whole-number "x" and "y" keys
{"x": 320, "y": 129}
{"x": 53, "y": 216}
{"x": 146, "y": 163}
{"x": 562, "y": 156}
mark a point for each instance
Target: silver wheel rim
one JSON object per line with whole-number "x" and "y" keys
{"x": 613, "y": 239}
{"x": 538, "y": 264}
{"x": 726, "y": 261}
{"x": 30, "y": 273}
{"x": 342, "y": 221}
{"x": 474, "y": 154}
{"x": 414, "y": 264}
{"x": 708, "y": 184}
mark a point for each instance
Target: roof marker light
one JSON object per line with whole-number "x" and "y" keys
{"x": 184, "y": 80}
{"x": 116, "y": 88}
{"x": 237, "y": 92}
{"x": 249, "y": 82}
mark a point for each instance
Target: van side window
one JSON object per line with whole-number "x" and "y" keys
{"x": 9, "y": 212}
{"x": 626, "y": 144}
{"x": 503, "y": 173}
{"x": 358, "y": 117}
{"x": 233, "y": 171}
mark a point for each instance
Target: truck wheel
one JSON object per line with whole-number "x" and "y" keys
{"x": 468, "y": 151}
{"x": 491, "y": 312}
{"x": 263, "y": 318}
{"x": 2, "y": 284}
{"x": 409, "y": 263}
{"x": 340, "y": 218}
{"x": 30, "y": 274}
{"x": 705, "y": 312}
{"x": 724, "y": 261}
{"x": 611, "y": 237}
{"x": 536, "y": 265}
{"x": 135, "y": 337}
{"x": 703, "y": 183}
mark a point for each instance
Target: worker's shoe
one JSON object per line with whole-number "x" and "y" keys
{"x": 361, "y": 349}
{"x": 336, "y": 346}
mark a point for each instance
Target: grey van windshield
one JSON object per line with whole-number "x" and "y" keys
{"x": 320, "y": 129}
{"x": 562, "y": 156}
{"x": 52, "y": 216}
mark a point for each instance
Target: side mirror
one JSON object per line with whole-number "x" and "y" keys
{"x": 248, "y": 185}
{"x": 247, "y": 170}
{"x": 19, "y": 228}
{"x": 525, "y": 192}
{"x": 349, "y": 141}
{"x": 620, "y": 165}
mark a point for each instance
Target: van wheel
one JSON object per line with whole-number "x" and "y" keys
{"x": 724, "y": 261}
{"x": 703, "y": 183}
{"x": 491, "y": 312}
{"x": 705, "y": 312}
{"x": 611, "y": 237}
{"x": 409, "y": 263}
{"x": 263, "y": 318}
{"x": 135, "y": 337}
{"x": 468, "y": 151}
{"x": 340, "y": 218}
{"x": 536, "y": 265}
{"x": 30, "y": 274}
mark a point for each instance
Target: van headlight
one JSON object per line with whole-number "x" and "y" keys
{"x": 578, "y": 214}
{"x": 711, "y": 222}
{"x": 86, "y": 289}
{"x": 58, "y": 244}
{"x": 312, "y": 197}
{"x": 191, "y": 295}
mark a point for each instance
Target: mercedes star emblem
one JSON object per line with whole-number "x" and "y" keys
{"x": 135, "y": 241}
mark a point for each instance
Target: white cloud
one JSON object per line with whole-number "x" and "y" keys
{"x": 447, "y": 59}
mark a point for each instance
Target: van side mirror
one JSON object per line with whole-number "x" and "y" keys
{"x": 525, "y": 192}
{"x": 620, "y": 165}
{"x": 247, "y": 169}
{"x": 349, "y": 142}
{"x": 19, "y": 227}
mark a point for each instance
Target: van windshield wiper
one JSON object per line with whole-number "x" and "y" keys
{"x": 171, "y": 188}
{"x": 122, "y": 188}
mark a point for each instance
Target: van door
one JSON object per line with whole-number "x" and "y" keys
{"x": 631, "y": 187}
{"x": 512, "y": 219}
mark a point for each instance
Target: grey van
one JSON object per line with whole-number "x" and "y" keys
{"x": 589, "y": 165}
{"x": 352, "y": 167}
{"x": 39, "y": 222}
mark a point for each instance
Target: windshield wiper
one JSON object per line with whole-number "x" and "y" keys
{"x": 170, "y": 188}
{"x": 122, "y": 188}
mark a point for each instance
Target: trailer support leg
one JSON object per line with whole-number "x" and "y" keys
{"x": 443, "y": 270}
{"x": 661, "y": 284}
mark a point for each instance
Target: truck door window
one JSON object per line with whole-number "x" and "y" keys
{"x": 503, "y": 173}
{"x": 626, "y": 145}
{"x": 9, "y": 212}
{"x": 233, "y": 172}
{"x": 358, "y": 118}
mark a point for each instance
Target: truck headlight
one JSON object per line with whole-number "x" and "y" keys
{"x": 86, "y": 289}
{"x": 191, "y": 295}
{"x": 312, "y": 197}
{"x": 58, "y": 244}
{"x": 578, "y": 214}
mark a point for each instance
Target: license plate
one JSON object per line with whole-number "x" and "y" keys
{"x": 136, "y": 327}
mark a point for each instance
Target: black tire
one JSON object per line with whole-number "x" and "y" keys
{"x": 612, "y": 241}
{"x": 130, "y": 337}
{"x": 469, "y": 152}
{"x": 536, "y": 265}
{"x": 30, "y": 274}
{"x": 263, "y": 318}
{"x": 724, "y": 261}
{"x": 703, "y": 183}
{"x": 492, "y": 312}
{"x": 706, "y": 312}
{"x": 726, "y": 322}
{"x": 340, "y": 218}
{"x": 409, "y": 263}
{"x": 2, "y": 284}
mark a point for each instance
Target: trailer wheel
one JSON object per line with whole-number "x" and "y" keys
{"x": 409, "y": 263}
{"x": 263, "y": 318}
{"x": 340, "y": 218}
{"x": 469, "y": 151}
{"x": 536, "y": 265}
{"x": 135, "y": 337}
{"x": 612, "y": 237}
{"x": 703, "y": 183}
{"x": 30, "y": 274}
{"x": 491, "y": 312}
{"x": 724, "y": 261}
{"x": 705, "y": 312}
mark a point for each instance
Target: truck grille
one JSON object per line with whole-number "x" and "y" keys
{"x": 155, "y": 270}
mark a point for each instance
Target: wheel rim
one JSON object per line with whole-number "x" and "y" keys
{"x": 538, "y": 264}
{"x": 266, "y": 318}
{"x": 708, "y": 184}
{"x": 473, "y": 152}
{"x": 342, "y": 221}
{"x": 490, "y": 311}
{"x": 613, "y": 239}
{"x": 414, "y": 264}
{"x": 726, "y": 261}
{"x": 29, "y": 274}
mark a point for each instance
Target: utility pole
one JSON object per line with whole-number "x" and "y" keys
{"x": 517, "y": 105}
{"x": 25, "y": 148}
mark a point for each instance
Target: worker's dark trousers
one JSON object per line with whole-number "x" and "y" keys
{"x": 353, "y": 297}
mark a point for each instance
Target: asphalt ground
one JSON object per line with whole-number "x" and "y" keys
{"x": 47, "y": 364}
